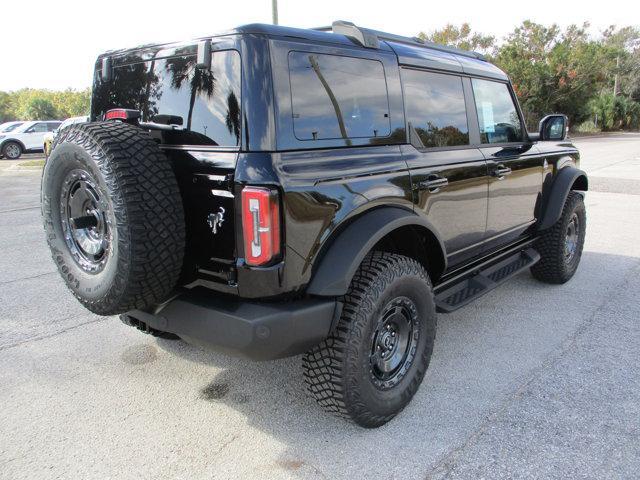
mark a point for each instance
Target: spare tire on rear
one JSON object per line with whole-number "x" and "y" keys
{"x": 113, "y": 216}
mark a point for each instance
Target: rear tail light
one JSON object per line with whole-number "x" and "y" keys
{"x": 260, "y": 225}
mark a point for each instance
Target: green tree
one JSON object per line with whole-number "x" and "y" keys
{"x": 40, "y": 109}
{"x": 6, "y": 107}
{"x": 554, "y": 70}
{"x": 614, "y": 112}
{"x": 624, "y": 44}
{"x": 71, "y": 103}
{"x": 461, "y": 37}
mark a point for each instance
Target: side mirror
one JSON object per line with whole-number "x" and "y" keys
{"x": 554, "y": 127}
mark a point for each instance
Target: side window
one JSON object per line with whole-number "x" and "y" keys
{"x": 52, "y": 126}
{"x": 337, "y": 97}
{"x": 435, "y": 106}
{"x": 497, "y": 114}
{"x": 39, "y": 127}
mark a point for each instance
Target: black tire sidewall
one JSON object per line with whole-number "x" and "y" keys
{"x": 388, "y": 402}
{"x": 553, "y": 267}
{"x": 88, "y": 287}
{"x": 579, "y": 209}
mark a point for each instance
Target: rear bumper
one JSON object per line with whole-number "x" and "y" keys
{"x": 258, "y": 330}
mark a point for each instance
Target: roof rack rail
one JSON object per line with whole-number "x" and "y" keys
{"x": 371, "y": 38}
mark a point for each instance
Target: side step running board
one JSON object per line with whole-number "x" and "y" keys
{"x": 451, "y": 296}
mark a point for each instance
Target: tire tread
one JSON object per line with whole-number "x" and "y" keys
{"x": 325, "y": 366}
{"x": 144, "y": 191}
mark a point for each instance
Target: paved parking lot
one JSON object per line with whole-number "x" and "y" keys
{"x": 530, "y": 381}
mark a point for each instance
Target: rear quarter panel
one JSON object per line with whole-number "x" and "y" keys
{"x": 324, "y": 190}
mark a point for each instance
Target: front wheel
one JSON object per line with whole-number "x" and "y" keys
{"x": 560, "y": 247}
{"x": 375, "y": 359}
{"x": 11, "y": 150}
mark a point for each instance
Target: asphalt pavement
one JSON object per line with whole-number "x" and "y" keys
{"x": 530, "y": 381}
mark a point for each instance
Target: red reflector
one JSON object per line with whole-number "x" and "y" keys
{"x": 260, "y": 225}
{"x": 121, "y": 114}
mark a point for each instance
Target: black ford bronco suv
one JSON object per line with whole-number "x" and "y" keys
{"x": 276, "y": 191}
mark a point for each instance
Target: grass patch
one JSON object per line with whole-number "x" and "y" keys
{"x": 32, "y": 163}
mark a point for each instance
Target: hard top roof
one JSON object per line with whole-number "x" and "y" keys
{"x": 410, "y": 51}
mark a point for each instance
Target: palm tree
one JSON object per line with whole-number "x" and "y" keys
{"x": 232, "y": 119}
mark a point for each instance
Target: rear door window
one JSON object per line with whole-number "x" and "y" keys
{"x": 338, "y": 97}
{"x": 434, "y": 104}
{"x": 497, "y": 114}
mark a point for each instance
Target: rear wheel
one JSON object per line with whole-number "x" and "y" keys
{"x": 374, "y": 361}
{"x": 560, "y": 247}
{"x": 12, "y": 150}
{"x": 113, "y": 216}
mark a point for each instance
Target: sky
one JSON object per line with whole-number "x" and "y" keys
{"x": 54, "y": 44}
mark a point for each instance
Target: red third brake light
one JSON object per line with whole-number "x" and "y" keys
{"x": 121, "y": 114}
{"x": 260, "y": 225}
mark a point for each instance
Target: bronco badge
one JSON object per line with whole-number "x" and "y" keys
{"x": 215, "y": 220}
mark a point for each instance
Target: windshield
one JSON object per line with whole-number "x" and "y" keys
{"x": 23, "y": 127}
{"x": 72, "y": 121}
{"x": 11, "y": 127}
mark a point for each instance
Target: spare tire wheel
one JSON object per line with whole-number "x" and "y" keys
{"x": 113, "y": 217}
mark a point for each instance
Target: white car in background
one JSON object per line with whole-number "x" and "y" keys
{"x": 48, "y": 138}
{"x": 28, "y": 137}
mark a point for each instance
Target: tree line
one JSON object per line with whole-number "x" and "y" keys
{"x": 595, "y": 80}
{"x": 41, "y": 104}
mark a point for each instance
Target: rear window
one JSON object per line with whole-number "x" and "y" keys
{"x": 204, "y": 104}
{"x": 338, "y": 97}
{"x": 435, "y": 106}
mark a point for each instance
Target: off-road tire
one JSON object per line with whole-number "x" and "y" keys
{"x": 338, "y": 372}
{"x": 143, "y": 215}
{"x": 7, "y": 152}
{"x": 553, "y": 266}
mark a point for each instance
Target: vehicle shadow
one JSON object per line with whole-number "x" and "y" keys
{"x": 484, "y": 353}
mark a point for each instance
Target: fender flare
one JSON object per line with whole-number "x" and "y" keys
{"x": 558, "y": 192}
{"x": 345, "y": 253}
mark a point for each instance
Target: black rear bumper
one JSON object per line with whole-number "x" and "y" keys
{"x": 258, "y": 330}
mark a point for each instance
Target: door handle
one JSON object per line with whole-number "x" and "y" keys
{"x": 433, "y": 183}
{"x": 501, "y": 171}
